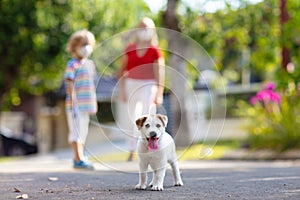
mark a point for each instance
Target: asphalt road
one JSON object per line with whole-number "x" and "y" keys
{"x": 55, "y": 179}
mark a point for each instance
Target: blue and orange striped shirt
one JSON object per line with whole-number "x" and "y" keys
{"x": 82, "y": 74}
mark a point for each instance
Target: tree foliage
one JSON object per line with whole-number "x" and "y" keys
{"x": 291, "y": 39}
{"x": 33, "y": 34}
{"x": 246, "y": 37}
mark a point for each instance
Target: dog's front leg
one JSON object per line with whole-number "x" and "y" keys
{"x": 142, "y": 177}
{"x": 158, "y": 179}
{"x": 176, "y": 174}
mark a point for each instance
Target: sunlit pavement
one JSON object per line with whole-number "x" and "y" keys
{"x": 49, "y": 163}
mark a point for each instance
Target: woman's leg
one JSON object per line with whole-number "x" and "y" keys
{"x": 132, "y": 103}
{"x": 140, "y": 97}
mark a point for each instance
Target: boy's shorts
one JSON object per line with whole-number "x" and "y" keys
{"x": 78, "y": 126}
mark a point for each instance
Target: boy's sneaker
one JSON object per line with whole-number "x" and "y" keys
{"x": 82, "y": 165}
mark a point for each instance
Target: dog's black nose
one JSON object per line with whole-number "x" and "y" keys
{"x": 153, "y": 134}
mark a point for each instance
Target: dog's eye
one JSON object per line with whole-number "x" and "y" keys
{"x": 147, "y": 125}
{"x": 158, "y": 125}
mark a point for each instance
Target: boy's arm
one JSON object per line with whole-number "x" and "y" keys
{"x": 70, "y": 91}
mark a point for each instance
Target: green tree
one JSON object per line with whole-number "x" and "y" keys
{"x": 30, "y": 47}
{"x": 228, "y": 33}
{"x": 33, "y": 34}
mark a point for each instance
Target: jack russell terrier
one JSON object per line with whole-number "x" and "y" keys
{"x": 155, "y": 147}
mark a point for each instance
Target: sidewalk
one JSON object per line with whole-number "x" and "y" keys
{"x": 60, "y": 160}
{"x": 260, "y": 155}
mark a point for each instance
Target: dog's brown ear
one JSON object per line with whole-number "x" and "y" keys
{"x": 140, "y": 122}
{"x": 163, "y": 119}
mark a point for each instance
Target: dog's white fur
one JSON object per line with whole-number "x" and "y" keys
{"x": 158, "y": 159}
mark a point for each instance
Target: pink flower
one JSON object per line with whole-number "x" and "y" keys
{"x": 263, "y": 95}
{"x": 253, "y": 100}
{"x": 275, "y": 97}
{"x": 266, "y": 95}
{"x": 270, "y": 86}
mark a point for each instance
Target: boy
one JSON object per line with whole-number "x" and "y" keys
{"x": 81, "y": 95}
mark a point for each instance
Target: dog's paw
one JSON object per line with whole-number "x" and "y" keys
{"x": 178, "y": 183}
{"x": 150, "y": 184}
{"x": 157, "y": 188}
{"x": 140, "y": 187}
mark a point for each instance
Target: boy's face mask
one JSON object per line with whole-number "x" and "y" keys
{"x": 145, "y": 34}
{"x": 85, "y": 51}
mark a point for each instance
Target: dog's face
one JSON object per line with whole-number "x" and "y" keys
{"x": 152, "y": 127}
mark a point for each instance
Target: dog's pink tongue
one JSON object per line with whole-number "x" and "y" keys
{"x": 153, "y": 144}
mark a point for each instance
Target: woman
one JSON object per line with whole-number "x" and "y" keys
{"x": 141, "y": 76}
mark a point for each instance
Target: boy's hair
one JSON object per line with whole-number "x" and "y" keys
{"x": 80, "y": 38}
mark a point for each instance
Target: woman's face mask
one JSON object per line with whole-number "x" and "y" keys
{"x": 85, "y": 51}
{"x": 145, "y": 34}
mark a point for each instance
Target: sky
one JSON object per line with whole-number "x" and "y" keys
{"x": 210, "y": 6}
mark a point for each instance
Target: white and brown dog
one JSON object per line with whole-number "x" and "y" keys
{"x": 155, "y": 148}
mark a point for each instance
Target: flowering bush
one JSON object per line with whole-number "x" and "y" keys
{"x": 274, "y": 118}
{"x": 266, "y": 95}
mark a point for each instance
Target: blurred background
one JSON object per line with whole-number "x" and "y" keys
{"x": 253, "y": 48}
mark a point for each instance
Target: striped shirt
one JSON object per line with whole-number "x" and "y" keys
{"x": 82, "y": 74}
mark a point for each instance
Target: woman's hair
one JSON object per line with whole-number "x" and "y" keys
{"x": 78, "y": 39}
{"x": 146, "y": 22}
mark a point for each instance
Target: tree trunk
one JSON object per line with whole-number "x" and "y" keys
{"x": 284, "y": 17}
{"x": 170, "y": 20}
{"x": 176, "y": 48}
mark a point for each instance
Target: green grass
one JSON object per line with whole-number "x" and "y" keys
{"x": 114, "y": 157}
{"x": 7, "y": 159}
{"x": 206, "y": 151}
{"x": 194, "y": 152}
